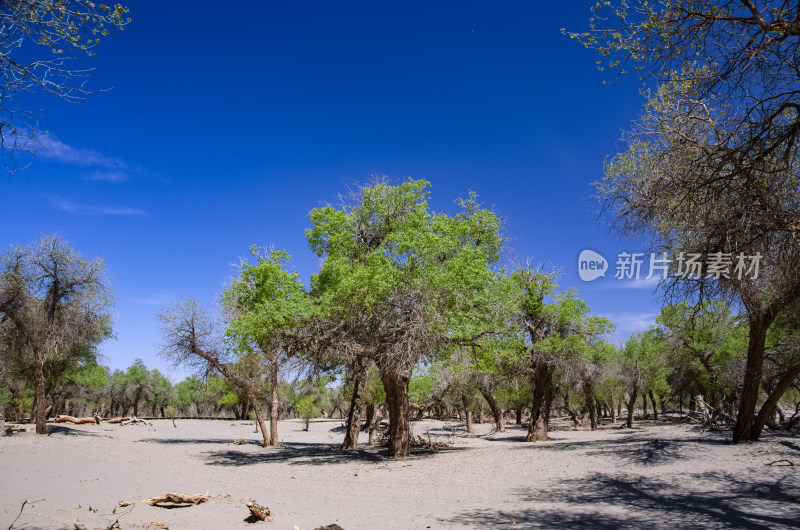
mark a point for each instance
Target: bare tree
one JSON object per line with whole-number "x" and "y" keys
{"x": 711, "y": 169}
{"x": 53, "y": 303}
{"x": 193, "y": 338}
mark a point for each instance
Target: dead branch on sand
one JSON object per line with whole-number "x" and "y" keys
{"x": 788, "y": 462}
{"x": 119, "y": 420}
{"x": 19, "y": 514}
{"x": 77, "y": 421}
{"x": 177, "y": 498}
{"x": 258, "y": 511}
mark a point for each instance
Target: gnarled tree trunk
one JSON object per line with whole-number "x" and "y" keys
{"x": 768, "y": 408}
{"x": 655, "y": 409}
{"x": 396, "y": 385}
{"x": 540, "y": 411}
{"x": 260, "y": 421}
{"x": 745, "y": 419}
{"x": 353, "y": 416}
{"x": 632, "y": 406}
{"x": 497, "y": 413}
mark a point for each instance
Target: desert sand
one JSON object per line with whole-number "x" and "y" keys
{"x": 659, "y": 475}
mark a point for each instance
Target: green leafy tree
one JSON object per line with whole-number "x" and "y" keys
{"x": 708, "y": 341}
{"x": 307, "y": 409}
{"x": 400, "y": 283}
{"x": 642, "y": 365}
{"x": 559, "y": 331}
{"x": 188, "y": 393}
{"x": 266, "y": 302}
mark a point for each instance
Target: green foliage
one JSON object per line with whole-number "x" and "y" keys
{"x": 307, "y": 407}
{"x": 420, "y": 386}
{"x": 388, "y": 249}
{"x": 267, "y": 299}
{"x": 6, "y": 396}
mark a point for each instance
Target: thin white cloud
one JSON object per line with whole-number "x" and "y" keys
{"x": 628, "y": 324}
{"x": 91, "y": 209}
{"x": 54, "y": 149}
{"x": 156, "y": 299}
{"x": 107, "y": 176}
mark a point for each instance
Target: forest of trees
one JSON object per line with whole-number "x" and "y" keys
{"x": 409, "y": 316}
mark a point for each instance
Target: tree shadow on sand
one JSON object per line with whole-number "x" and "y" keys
{"x": 703, "y": 500}
{"x": 631, "y": 447}
{"x": 63, "y": 430}
{"x": 303, "y": 454}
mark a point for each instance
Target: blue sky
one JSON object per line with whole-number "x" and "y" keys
{"x": 225, "y": 125}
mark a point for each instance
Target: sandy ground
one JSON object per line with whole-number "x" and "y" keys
{"x": 657, "y": 475}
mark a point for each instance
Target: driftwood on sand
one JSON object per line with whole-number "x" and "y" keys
{"x": 177, "y": 498}
{"x": 119, "y": 420}
{"x": 77, "y": 421}
{"x": 258, "y": 511}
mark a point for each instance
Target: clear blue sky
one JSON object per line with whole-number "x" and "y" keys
{"x": 226, "y": 123}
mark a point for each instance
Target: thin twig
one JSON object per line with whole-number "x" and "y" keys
{"x": 19, "y": 514}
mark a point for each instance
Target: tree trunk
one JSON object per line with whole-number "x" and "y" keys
{"x": 499, "y": 418}
{"x": 768, "y": 408}
{"x": 631, "y": 407}
{"x": 396, "y": 385}
{"x": 40, "y": 405}
{"x": 540, "y": 413}
{"x": 467, "y": 412}
{"x": 611, "y": 408}
{"x": 571, "y": 412}
{"x": 260, "y": 421}
{"x": 518, "y": 411}
{"x": 371, "y": 414}
{"x": 354, "y": 415}
{"x": 653, "y": 401}
{"x": 273, "y": 405}
{"x": 137, "y": 397}
{"x": 373, "y": 425}
{"x": 745, "y": 419}
{"x": 590, "y": 402}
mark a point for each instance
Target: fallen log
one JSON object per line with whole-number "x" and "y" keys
{"x": 119, "y": 420}
{"x": 77, "y": 421}
{"x": 12, "y": 430}
{"x": 177, "y": 498}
